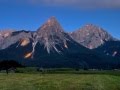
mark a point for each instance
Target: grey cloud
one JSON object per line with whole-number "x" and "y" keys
{"x": 87, "y": 4}
{"x": 84, "y": 3}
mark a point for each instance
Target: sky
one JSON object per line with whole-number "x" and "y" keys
{"x": 72, "y": 14}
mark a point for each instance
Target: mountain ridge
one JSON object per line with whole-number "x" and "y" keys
{"x": 51, "y": 46}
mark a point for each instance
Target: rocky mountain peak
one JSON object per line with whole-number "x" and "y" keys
{"x": 52, "y": 20}
{"x": 52, "y": 25}
{"x": 51, "y": 34}
{"x": 91, "y": 36}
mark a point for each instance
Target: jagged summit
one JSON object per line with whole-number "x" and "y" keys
{"x": 52, "y": 25}
{"x": 91, "y": 28}
{"x": 52, "y": 19}
{"x": 91, "y": 36}
{"x": 50, "y": 28}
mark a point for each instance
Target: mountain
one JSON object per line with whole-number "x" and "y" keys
{"x": 91, "y": 36}
{"x": 50, "y": 46}
{"x": 110, "y": 48}
{"x": 51, "y": 34}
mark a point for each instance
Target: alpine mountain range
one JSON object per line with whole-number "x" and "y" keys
{"x": 51, "y": 47}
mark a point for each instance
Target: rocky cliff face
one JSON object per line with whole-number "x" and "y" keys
{"x": 91, "y": 36}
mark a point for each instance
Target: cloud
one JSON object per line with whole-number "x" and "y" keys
{"x": 81, "y": 4}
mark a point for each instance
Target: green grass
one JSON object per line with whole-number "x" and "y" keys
{"x": 22, "y": 81}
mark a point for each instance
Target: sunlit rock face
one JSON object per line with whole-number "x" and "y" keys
{"x": 28, "y": 55}
{"x": 91, "y": 36}
{"x": 24, "y": 42}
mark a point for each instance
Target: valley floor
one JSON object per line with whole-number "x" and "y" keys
{"x": 19, "y": 81}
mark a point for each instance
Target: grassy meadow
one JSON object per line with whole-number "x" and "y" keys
{"x": 57, "y": 81}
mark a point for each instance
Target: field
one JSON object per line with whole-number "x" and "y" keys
{"x": 37, "y": 81}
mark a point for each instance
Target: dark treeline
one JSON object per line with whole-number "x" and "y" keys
{"x": 9, "y": 65}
